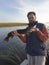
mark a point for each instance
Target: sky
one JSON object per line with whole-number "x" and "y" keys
{"x": 16, "y": 10}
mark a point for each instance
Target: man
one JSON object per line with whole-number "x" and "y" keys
{"x": 35, "y": 36}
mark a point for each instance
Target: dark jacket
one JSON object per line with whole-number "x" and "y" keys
{"x": 36, "y": 41}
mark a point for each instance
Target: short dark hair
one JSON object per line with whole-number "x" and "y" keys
{"x": 31, "y": 13}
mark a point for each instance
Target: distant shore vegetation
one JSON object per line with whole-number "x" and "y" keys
{"x": 12, "y": 24}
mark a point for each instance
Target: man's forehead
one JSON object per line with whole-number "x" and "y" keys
{"x": 31, "y": 15}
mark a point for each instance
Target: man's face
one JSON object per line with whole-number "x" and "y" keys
{"x": 31, "y": 18}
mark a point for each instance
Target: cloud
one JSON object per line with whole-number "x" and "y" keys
{"x": 41, "y": 10}
{"x": 16, "y": 10}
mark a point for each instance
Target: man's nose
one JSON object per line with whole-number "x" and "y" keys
{"x": 31, "y": 18}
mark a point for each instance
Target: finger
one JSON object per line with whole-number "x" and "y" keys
{"x": 34, "y": 26}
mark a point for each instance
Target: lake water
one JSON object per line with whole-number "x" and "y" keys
{"x": 5, "y": 30}
{"x": 14, "y": 49}
{"x": 12, "y": 52}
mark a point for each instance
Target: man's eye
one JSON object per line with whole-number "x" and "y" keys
{"x": 30, "y": 17}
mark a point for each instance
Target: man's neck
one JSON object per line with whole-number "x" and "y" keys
{"x": 33, "y": 23}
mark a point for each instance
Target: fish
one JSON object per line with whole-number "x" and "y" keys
{"x": 10, "y": 34}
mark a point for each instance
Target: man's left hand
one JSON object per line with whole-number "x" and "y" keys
{"x": 34, "y": 29}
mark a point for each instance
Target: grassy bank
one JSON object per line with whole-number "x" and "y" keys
{"x": 12, "y": 24}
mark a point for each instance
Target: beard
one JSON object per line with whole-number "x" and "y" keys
{"x": 32, "y": 23}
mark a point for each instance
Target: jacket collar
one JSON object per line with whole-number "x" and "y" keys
{"x": 32, "y": 24}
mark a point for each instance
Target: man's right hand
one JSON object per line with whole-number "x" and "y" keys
{"x": 15, "y": 33}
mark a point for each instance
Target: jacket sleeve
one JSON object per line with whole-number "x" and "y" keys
{"x": 23, "y": 38}
{"x": 22, "y": 35}
{"x": 43, "y": 35}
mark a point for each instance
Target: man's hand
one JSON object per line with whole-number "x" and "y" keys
{"x": 15, "y": 33}
{"x": 34, "y": 29}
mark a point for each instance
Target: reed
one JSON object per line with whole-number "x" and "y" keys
{"x": 12, "y": 24}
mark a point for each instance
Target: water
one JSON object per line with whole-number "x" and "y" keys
{"x": 12, "y": 51}
{"x": 5, "y": 30}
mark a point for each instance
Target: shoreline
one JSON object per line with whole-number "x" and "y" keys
{"x": 12, "y": 24}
